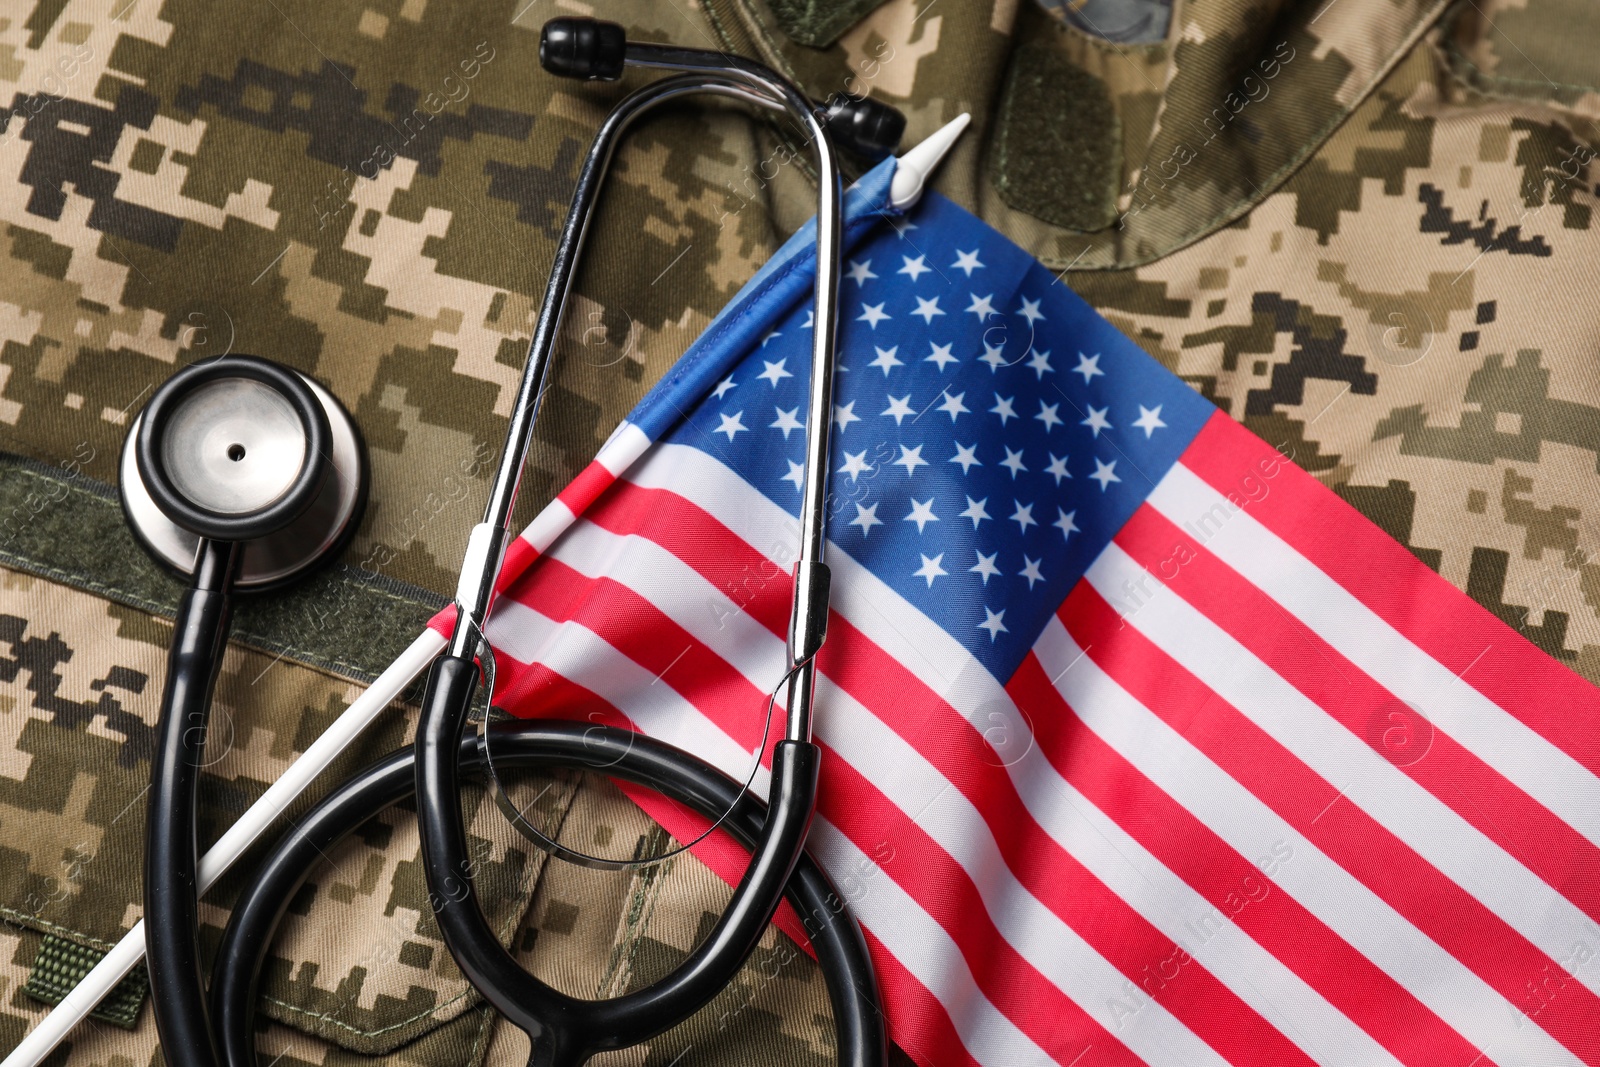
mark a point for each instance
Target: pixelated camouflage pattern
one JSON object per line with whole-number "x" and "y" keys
{"x": 1374, "y": 255}
{"x": 1211, "y": 117}
{"x": 1408, "y": 317}
{"x": 360, "y": 957}
{"x": 1492, "y": 45}
{"x": 357, "y": 962}
{"x": 366, "y": 195}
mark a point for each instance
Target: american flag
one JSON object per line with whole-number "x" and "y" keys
{"x": 1140, "y": 746}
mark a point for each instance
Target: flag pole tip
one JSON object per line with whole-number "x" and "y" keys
{"x": 912, "y": 169}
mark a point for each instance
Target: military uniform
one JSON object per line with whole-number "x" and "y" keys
{"x": 1361, "y": 227}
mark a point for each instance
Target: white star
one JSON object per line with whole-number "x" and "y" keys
{"x": 1097, "y": 420}
{"x": 1105, "y": 474}
{"x": 775, "y": 372}
{"x": 860, "y": 272}
{"x": 1030, "y": 571}
{"x": 867, "y": 518}
{"x": 1003, "y": 408}
{"x": 1047, "y": 415}
{"x": 913, "y": 267}
{"x": 811, "y": 317}
{"x": 976, "y": 511}
{"x": 927, "y": 309}
{"x": 967, "y": 261}
{"x": 985, "y": 566}
{"x": 723, "y": 386}
{"x": 903, "y": 226}
{"x": 1023, "y": 516}
{"x": 967, "y": 456}
{"x": 992, "y": 622}
{"x": 786, "y": 421}
{"x": 1149, "y": 420}
{"x": 922, "y": 514}
{"x": 1013, "y": 462}
{"x": 886, "y": 359}
{"x": 899, "y": 407}
{"x": 952, "y": 404}
{"x": 1064, "y": 522}
{"x": 1040, "y": 363}
{"x": 941, "y": 355}
{"x": 844, "y": 416}
{"x": 910, "y": 459}
{"x": 797, "y": 474}
{"x": 1088, "y": 366}
{"x": 981, "y": 306}
{"x": 930, "y": 569}
{"x": 1058, "y": 468}
{"x": 1030, "y": 310}
{"x": 872, "y": 315}
{"x": 993, "y": 356}
{"x": 769, "y": 336}
{"x": 855, "y": 465}
{"x": 731, "y": 424}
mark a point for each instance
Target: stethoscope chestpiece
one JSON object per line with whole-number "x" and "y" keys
{"x": 243, "y": 450}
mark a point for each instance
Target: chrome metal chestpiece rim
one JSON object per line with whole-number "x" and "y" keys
{"x": 310, "y": 539}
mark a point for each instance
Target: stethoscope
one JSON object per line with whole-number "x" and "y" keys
{"x": 245, "y": 475}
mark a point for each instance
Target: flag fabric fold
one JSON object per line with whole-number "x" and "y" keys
{"x": 1140, "y": 745}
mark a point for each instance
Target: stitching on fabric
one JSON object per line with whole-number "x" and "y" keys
{"x": 1455, "y": 52}
{"x": 33, "y": 922}
{"x": 1234, "y": 211}
{"x": 111, "y": 591}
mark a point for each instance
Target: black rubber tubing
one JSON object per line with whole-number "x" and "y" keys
{"x": 566, "y": 1031}
{"x": 171, "y": 908}
{"x": 841, "y": 952}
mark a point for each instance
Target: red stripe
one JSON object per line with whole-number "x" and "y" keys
{"x": 586, "y": 488}
{"x": 1523, "y": 827}
{"x": 1115, "y": 929}
{"x": 559, "y": 697}
{"x": 1433, "y": 614}
{"x": 918, "y": 1020}
{"x": 1451, "y": 917}
{"x": 758, "y": 586}
{"x": 1303, "y": 943}
{"x": 639, "y": 630}
{"x": 519, "y": 557}
{"x": 920, "y": 865}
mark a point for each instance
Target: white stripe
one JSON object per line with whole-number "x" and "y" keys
{"x": 1533, "y": 764}
{"x": 896, "y": 919}
{"x": 578, "y": 653}
{"x": 897, "y": 770}
{"x": 1456, "y": 995}
{"x": 1251, "y": 972}
{"x": 548, "y": 525}
{"x": 1429, "y": 826}
{"x": 1171, "y": 905}
{"x": 626, "y": 444}
{"x": 923, "y": 948}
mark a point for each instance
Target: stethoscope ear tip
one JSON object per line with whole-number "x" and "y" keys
{"x": 246, "y": 451}
{"x": 588, "y": 49}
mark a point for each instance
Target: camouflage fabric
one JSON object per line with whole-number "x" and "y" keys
{"x": 1362, "y": 227}
{"x": 358, "y": 962}
{"x": 1491, "y": 44}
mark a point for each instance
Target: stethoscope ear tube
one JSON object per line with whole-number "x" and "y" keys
{"x": 840, "y": 949}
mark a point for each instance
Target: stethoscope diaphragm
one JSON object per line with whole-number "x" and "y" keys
{"x": 239, "y": 449}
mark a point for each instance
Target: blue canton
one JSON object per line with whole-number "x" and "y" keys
{"x": 991, "y": 431}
